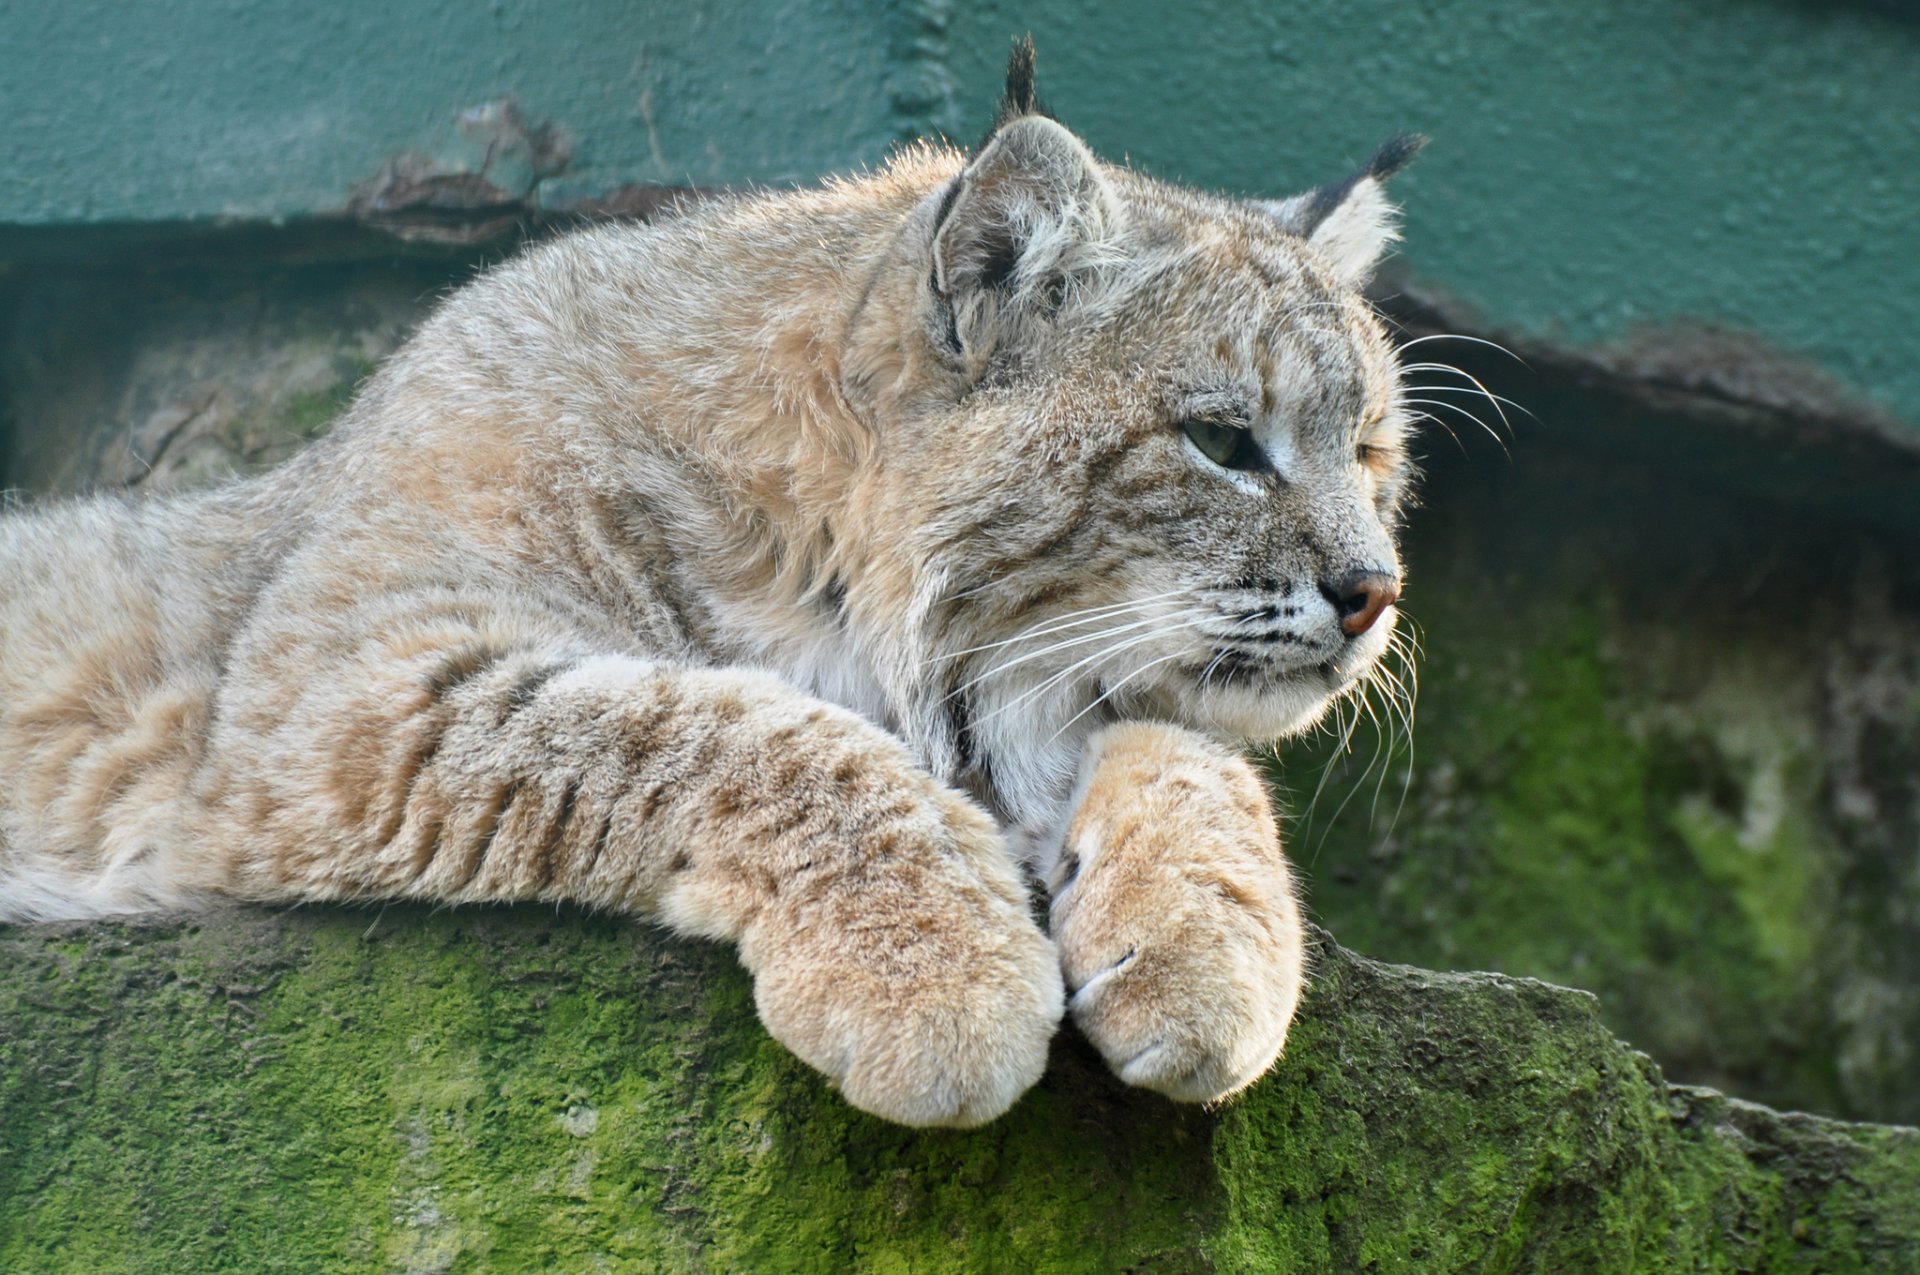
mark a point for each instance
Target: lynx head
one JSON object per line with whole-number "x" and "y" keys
{"x": 1150, "y": 443}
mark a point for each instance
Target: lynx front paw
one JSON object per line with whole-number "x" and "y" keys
{"x": 1175, "y": 915}
{"x": 919, "y": 984}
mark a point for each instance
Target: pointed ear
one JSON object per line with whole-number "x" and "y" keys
{"x": 1350, "y": 223}
{"x": 1029, "y": 216}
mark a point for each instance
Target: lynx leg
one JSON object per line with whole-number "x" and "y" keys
{"x": 886, "y": 928}
{"x": 1175, "y": 914}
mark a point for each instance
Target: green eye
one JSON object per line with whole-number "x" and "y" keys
{"x": 1228, "y": 446}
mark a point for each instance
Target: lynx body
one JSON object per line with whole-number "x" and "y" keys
{"x": 809, "y": 571}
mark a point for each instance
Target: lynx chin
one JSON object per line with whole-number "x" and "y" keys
{"x": 822, "y": 571}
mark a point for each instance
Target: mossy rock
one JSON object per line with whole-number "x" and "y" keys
{"x": 1697, "y": 801}
{"x": 505, "y": 1090}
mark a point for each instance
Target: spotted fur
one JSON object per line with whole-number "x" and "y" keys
{"x": 794, "y": 571}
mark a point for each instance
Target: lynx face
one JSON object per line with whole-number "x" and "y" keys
{"x": 1153, "y": 446}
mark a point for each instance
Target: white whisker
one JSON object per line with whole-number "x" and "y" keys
{"x": 1343, "y": 740}
{"x": 1457, "y": 336}
{"x": 1109, "y": 692}
{"x": 1070, "y": 620}
{"x": 1096, "y": 658}
{"x": 1064, "y": 644}
{"x": 1365, "y": 704}
{"x": 1492, "y": 433}
{"x": 1478, "y": 386}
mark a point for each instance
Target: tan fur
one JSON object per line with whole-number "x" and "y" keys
{"x": 772, "y": 571}
{"x": 1175, "y": 914}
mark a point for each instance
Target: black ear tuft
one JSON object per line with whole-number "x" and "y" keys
{"x": 1394, "y": 154}
{"x": 1351, "y": 222}
{"x": 1021, "y": 98}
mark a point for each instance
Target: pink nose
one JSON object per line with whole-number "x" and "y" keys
{"x": 1360, "y": 597}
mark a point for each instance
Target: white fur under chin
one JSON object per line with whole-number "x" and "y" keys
{"x": 1245, "y": 717}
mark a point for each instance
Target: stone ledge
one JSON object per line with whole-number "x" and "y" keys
{"x": 513, "y": 1089}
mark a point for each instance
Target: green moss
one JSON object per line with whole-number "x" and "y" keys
{"x": 309, "y": 414}
{"x": 516, "y": 1090}
{"x": 1569, "y": 819}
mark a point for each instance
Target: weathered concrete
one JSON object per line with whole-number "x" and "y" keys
{"x": 512, "y": 1090}
{"x": 175, "y": 379}
{"x": 277, "y": 110}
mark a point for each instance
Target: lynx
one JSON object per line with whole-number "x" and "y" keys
{"x": 861, "y": 575}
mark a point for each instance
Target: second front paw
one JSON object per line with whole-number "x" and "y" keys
{"x": 918, "y": 983}
{"x": 1174, "y": 911}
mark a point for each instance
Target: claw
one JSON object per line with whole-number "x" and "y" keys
{"x": 1079, "y": 995}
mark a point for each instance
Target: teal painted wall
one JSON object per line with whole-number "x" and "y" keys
{"x": 1598, "y": 168}
{"x": 145, "y": 111}
{"x": 1595, "y": 167}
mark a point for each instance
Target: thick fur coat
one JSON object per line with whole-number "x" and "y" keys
{"x": 809, "y": 570}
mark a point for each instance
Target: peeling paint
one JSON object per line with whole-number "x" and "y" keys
{"x": 470, "y": 193}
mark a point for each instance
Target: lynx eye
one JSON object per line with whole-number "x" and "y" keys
{"x": 1228, "y": 446}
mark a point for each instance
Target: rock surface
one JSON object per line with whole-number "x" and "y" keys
{"x": 516, "y": 1089}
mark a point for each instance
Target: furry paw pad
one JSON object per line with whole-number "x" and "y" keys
{"x": 1174, "y": 912}
{"x": 929, "y": 996}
